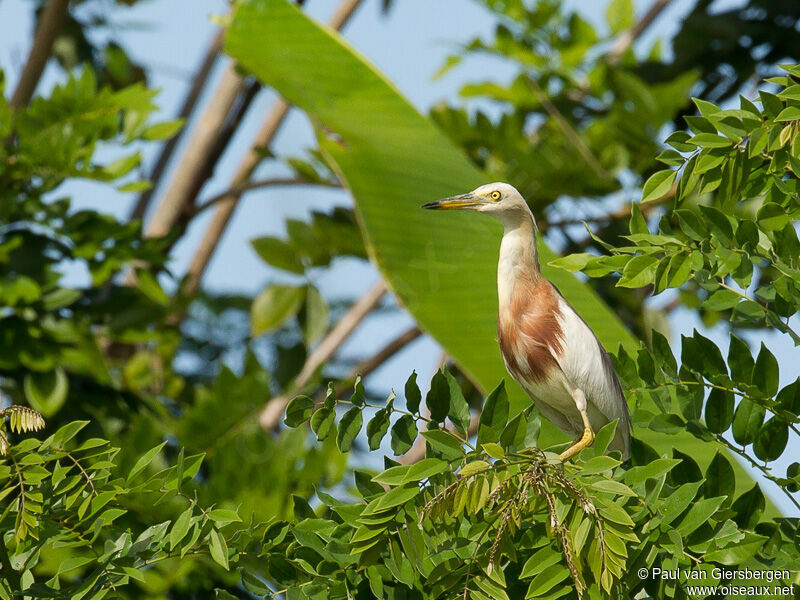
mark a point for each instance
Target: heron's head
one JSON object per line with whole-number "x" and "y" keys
{"x": 498, "y": 199}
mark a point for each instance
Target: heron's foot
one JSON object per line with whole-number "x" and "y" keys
{"x": 582, "y": 442}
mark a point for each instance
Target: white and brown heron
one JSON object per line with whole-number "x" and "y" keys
{"x": 546, "y": 346}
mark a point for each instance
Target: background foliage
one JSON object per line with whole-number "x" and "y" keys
{"x": 155, "y": 474}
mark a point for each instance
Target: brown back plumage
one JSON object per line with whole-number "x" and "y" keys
{"x": 528, "y": 329}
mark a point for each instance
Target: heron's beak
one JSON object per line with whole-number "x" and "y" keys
{"x": 468, "y": 200}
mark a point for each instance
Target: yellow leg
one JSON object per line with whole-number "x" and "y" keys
{"x": 588, "y": 434}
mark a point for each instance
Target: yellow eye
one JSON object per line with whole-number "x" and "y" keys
{"x": 495, "y": 195}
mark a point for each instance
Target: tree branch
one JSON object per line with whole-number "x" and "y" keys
{"x": 569, "y": 131}
{"x": 187, "y": 108}
{"x": 50, "y": 23}
{"x": 226, "y": 206}
{"x": 257, "y": 184}
{"x": 270, "y": 415}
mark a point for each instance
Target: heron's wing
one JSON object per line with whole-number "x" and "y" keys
{"x": 587, "y": 365}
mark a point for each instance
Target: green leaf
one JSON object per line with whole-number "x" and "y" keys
{"x": 459, "y": 409}
{"x": 424, "y": 469}
{"x": 413, "y": 395}
{"x": 392, "y": 475}
{"x": 547, "y": 580}
{"x": 605, "y": 435}
{"x": 377, "y": 428}
{"x": 358, "y": 397}
{"x": 539, "y": 561}
{"x": 315, "y": 312}
{"x": 765, "y": 372}
{"x": 657, "y": 185}
{"x": 279, "y": 254}
{"x": 121, "y": 166}
{"x": 747, "y": 421}
{"x": 748, "y": 508}
{"x": 274, "y": 306}
{"x": 403, "y": 434}
{"x": 771, "y": 440}
{"x": 224, "y": 516}
{"x": 298, "y": 411}
{"x": 494, "y": 415}
{"x": 474, "y": 467}
{"x": 711, "y": 140}
{"x": 772, "y": 217}
{"x": 740, "y": 361}
{"x": 46, "y": 392}
{"x": 349, "y": 427}
{"x": 147, "y": 283}
{"x": 573, "y": 262}
{"x": 718, "y": 223}
{"x": 638, "y": 272}
{"x": 706, "y": 108}
{"x": 493, "y": 450}
{"x": 692, "y": 225}
{"x": 790, "y": 113}
{"x": 720, "y": 478}
{"x": 445, "y": 443}
{"x": 612, "y": 487}
{"x": 655, "y": 468}
{"x": 513, "y": 436}
{"x": 599, "y": 464}
{"x": 719, "y": 410}
{"x": 738, "y": 553}
{"x": 675, "y": 504}
{"x": 438, "y": 398}
{"x": 163, "y": 130}
{"x": 700, "y": 512}
{"x": 397, "y": 496}
{"x": 180, "y": 528}
{"x": 145, "y": 460}
{"x": 322, "y": 422}
{"x": 721, "y": 300}
{"x": 218, "y": 548}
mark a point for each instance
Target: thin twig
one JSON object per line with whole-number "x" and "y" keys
{"x": 270, "y": 415}
{"x": 568, "y": 130}
{"x": 187, "y": 108}
{"x": 50, "y": 23}
{"x": 257, "y": 184}
{"x": 621, "y": 213}
{"x": 85, "y": 474}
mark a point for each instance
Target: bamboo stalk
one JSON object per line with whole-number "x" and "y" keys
{"x": 50, "y": 23}
{"x": 195, "y": 160}
{"x": 227, "y": 206}
{"x": 187, "y": 108}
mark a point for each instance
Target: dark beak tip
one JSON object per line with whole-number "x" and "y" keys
{"x": 431, "y": 205}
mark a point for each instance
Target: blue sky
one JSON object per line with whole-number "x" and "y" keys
{"x": 409, "y": 46}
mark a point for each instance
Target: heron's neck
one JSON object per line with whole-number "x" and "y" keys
{"x": 519, "y": 258}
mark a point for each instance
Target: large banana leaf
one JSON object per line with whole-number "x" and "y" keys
{"x": 441, "y": 266}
